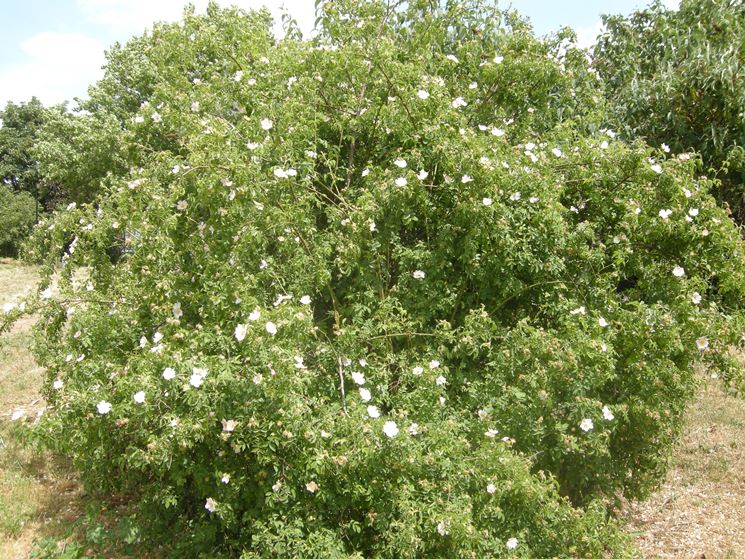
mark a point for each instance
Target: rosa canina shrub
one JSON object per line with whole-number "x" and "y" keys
{"x": 364, "y": 303}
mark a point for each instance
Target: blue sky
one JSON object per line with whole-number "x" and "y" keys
{"x": 55, "y": 48}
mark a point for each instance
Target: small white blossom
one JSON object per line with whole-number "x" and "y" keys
{"x": 442, "y": 528}
{"x": 498, "y": 132}
{"x": 452, "y": 58}
{"x": 181, "y": 205}
{"x": 372, "y": 226}
{"x": 169, "y": 373}
{"x": 607, "y": 414}
{"x": 197, "y": 377}
{"x": 586, "y": 425}
{"x": 373, "y": 412}
{"x": 487, "y": 201}
{"x": 498, "y": 59}
{"x": 103, "y": 407}
{"x": 665, "y": 148}
{"x": 271, "y": 328}
{"x": 210, "y": 504}
{"x": 602, "y": 322}
{"x": 305, "y": 300}
{"x": 441, "y": 381}
{"x": 195, "y": 107}
{"x": 657, "y": 168}
{"x": 400, "y": 163}
{"x": 417, "y": 370}
{"x": 358, "y": 378}
{"x": 225, "y": 478}
{"x": 176, "y": 311}
{"x": 46, "y": 294}
{"x": 557, "y": 152}
{"x": 390, "y": 429}
{"x": 57, "y": 384}
{"x": 365, "y": 395}
{"x": 240, "y": 332}
{"x": 413, "y": 429}
{"x": 266, "y": 124}
{"x": 255, "y": 315}
{"x": 512, "y": 543}
{"x": 139, "y": 397}
{"x": 434, "y": 364}
{"x": 422, "y": 175}
{"x": 401, "y": 181}
{"x": 578, "y": 310}
{"x": 693, "y": 212}
{"x": 679, "y": 272}
{"x": 491, "y": 489}
{"x": 491, "y": 433}
{"x": 229, "y": 425}
{"x": 418, "y": 274}
{"x": 702, "y": 343}
{"x": 465, "y": 179}
{"x": 422, "y": 94}
{"x": 458, "y": 102}
{"x": 664, "y": 213}
{"x": 696, "y": 298}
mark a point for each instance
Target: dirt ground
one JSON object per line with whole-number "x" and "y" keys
{"x": 699, "y": 512}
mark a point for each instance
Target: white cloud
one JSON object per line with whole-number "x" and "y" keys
{"x": 58, "y": 67}
{"x": 671, "y": 4}
{"x": 587, "y": 35}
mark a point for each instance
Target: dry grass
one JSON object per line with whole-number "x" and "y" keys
{"x": 39, "y": 496}
{"x": 699, "y": 511}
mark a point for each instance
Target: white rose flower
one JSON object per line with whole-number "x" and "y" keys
{"x": 390, "y": 429}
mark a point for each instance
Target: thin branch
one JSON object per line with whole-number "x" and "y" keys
{"x": 341, "y": 386}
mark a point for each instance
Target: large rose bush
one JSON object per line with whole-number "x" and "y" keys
{"x": 389, "y": 292}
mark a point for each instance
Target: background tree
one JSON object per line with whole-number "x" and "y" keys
{"x": 18, "y": 168}
{"x": 17, "y": 217}
{"x": 78, "y": 151}
{"x": 675, "y": 77}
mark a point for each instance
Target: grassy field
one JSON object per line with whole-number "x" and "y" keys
{"x": 698, "y": 513}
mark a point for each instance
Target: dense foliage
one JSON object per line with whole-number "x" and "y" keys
{"x": 19, "y": 126}
{"x": 78, "y": 152}
{"x": 388, "y": 292}
{"x": 17, "y": 217}
{"x": 676, "y": 78}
